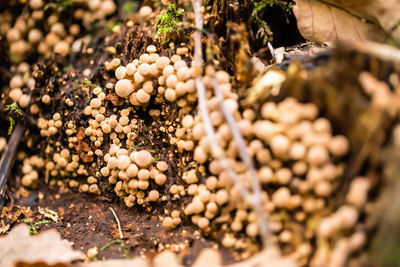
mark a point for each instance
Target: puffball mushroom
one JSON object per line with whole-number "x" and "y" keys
{"x": 145, "y": 11}
{"x": 143, "y": 158}
{"x": 123, "y": 88}
{"x": 123, "y": 162}
{"x": 62, "y": 48}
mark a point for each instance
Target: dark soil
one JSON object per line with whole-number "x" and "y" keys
{"x": 87, "y": 221}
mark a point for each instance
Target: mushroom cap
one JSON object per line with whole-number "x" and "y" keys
{"x": 123, "y": 162}
{"x": 123, "y": 88}
{"x": 143, "y": 158}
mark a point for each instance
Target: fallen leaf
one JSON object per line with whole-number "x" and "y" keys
{"x": 13, "y": 214}
{"x": 18, "y": 248}
{"x": 4, "y": 227}
{"x": 115, "y": 99}
{"x": 270, "y": 255}
{"x": 49, "y": 214}
{"x": 329, "y": 24}
{"x": 268, "y": 84}
{"x": 115, "y": 263}
{"x": 81, "y": 133}
{"x": 82, "y": 147}
{"x": 85, "y": 157}
{"x": 385, "y": 13}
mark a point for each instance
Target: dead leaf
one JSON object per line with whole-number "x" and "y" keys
{"x": 385, "y": 13}
{"x": 268, "y": 84}
{"x": 115, "y": 99}
{"x": 4, "y": 227}
{"x": 13, "y": 214}
{"x": 49, "y": 214}
{"x": 270, "y": 255}
{"x": 81, "y": 133}
{"x": 82, "y": 147}
{"x": 326, "y": 23}
{"x": 115, "y": 263}
{"x": 85, "y": 157}
{"x": 18, "y": 248}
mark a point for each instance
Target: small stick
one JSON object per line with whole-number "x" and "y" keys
{"x": 121, "y": 236}
{"x": 257, "y": 203}
{"x": 215, "y": 148}
{"x": 7, "y": 160}
{"x": 201, "y": 94}
{"x": 271, "y": 50}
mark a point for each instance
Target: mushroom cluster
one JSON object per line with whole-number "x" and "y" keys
{"x": 134, "y": 175}
{"x": 98, "y": 10}
{"x": 107, "y": 125}
{"x": 172, "y": 221}
{"x": 299, "y": 164}
{"x": 152, "y": 74}
{"x": 30, "y": 169}
{"x": 26, "y": 34}
{"x": 98, "y": 124}
{"x": 20, "y": 84}
{"x": 50, "y": 127}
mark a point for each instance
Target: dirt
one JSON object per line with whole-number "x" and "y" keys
{"x": 88, "y": 222}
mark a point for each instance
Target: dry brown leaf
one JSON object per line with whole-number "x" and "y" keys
{"x": 115, "y": 99}
{"x": 18, "y": 248}
{"x": 207, "y": 257}
{"x": 49, "y": 214}
{"x": 11, "y": 215}
{"x": 81, "y": 133}
{"x": 115, "y": 263}
{"x": 385, "y": 13}
{"x": 268, "y": 257}
{"x": 4, "y": 227}
{"x": 325, "y": 23}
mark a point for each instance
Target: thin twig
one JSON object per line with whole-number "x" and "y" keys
{"x": 121, "y": 236}
{"x": 258, "y": 204}
{"x": 201, "y": 94}
{"x": 271, "y": 50}
{"x": 215, "y": 148}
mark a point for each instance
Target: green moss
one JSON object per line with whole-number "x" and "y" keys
{"x": 111, "y": 25}
{"x": 168, "y": 24}
{"x": 120, "y": 242}
{"x": 85, "y": 83}
{"x": 13, "y": 109}
{"x": 130, "y": 7}
{"x": 145, "y": 142}
{"x": 395, "y": 32}
{"x": 33, "y": 228}
{"x": 59, "y": 5}
{"x": 259, "y": 8}
{"x": 11, "y": 127}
